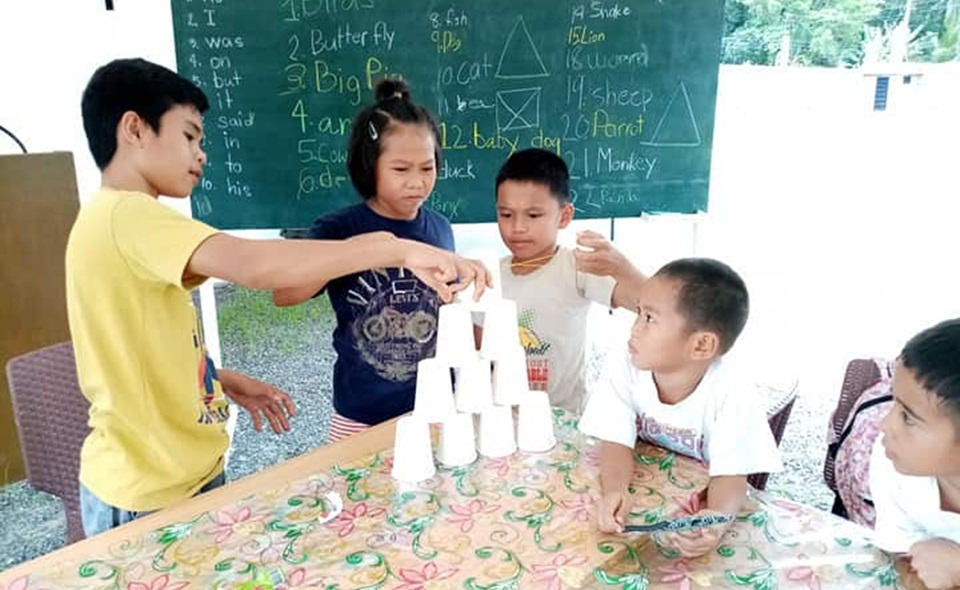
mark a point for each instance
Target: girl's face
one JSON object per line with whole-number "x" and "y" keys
{"x": 406, "y": 171}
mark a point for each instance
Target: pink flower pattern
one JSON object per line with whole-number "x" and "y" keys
{"x": 226, "y": 520}
{"x": 581, "y": 507}
{"x": 464, "y": 514}
{"x": 158, "y": 583}
{"x": 346, "y": 522}
{"x": 678, "y": 572}
{"x": 549, "y": 573}
{"x": 417, "y": 579}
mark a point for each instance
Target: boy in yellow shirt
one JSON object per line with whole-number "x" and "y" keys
{"x": 158, "y": 406}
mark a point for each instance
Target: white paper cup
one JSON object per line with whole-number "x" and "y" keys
{"x": 474, "y": 386}
{"x": 455, "y": 343}
{"x": 496, "y": 432}
{"x": 458, "y": 446}
{"x": 535, "y": 423}
{"x": 412, "y": 452}
{"x": 434, "y": 397}
{"x": 501, "y": 333}
{"x": 510, "y": 383}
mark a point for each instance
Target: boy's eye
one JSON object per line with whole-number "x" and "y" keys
{"x": 400, "y": 169}
{"x": 504, "y": 215}
{"x": 647, "y": 318}
{"x": 907, "y": 419}
{"x": 190, "y": 136}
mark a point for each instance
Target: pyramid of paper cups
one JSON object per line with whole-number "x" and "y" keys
{"x": 461, "y": 382}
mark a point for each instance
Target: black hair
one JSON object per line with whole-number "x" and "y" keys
{"x": 712, "y": 297}
{"x": 372, "y": 124}
{"x": 137, "y": 85}
{"x": 934, "y": 358}
{"x": 539, "y": 166}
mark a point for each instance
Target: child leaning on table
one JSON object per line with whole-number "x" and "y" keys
{"x": 671, "y": 387}
{"x": 915, "y": 466}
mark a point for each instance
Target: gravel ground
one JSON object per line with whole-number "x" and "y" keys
{"x": 299, "y": 359}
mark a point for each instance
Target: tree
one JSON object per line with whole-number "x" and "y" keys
{"x": 839, "y": 32}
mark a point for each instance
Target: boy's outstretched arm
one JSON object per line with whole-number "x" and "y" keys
{"x": 296, "y": 295}
{"x": 605, "y": 260}
{"x": 278, "y": 264}
{"x": 616, "y": 473}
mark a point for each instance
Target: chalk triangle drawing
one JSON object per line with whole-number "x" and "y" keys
{"x": 677, "y": 126}
{"x": 519, "y": 58}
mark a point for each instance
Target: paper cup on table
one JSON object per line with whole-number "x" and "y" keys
{"x": 474, "y": 386}
{"x": 457, "y": 443}
{"x": 501, "y": 334}
{"x": 535, "y": 423}
{"x": 510, "y": 382}
{"x": 412, "y": 453}
{"x": 455, "y": 343}
{"x": 434, "y": 397}
{"x": 496, "y": 432}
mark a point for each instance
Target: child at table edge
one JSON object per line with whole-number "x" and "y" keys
{"x": 672, "y": 387}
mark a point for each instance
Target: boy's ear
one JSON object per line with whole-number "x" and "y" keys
{"x": 130, "y": 129}
{"x": 566, "y": 215}
{"x": 704, "y": 345}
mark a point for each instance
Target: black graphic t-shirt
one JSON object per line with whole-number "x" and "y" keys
{"x": 386, "y": 318}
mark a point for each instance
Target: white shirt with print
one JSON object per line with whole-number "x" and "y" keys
{"x": 908, "y": 506}
{"x": 552, "y": 306}
{"x": 722, "y": 423}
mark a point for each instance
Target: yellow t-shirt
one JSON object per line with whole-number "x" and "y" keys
{"x": 157, "y": 411}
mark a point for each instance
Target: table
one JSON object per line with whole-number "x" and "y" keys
{"x": 523, "y": 521}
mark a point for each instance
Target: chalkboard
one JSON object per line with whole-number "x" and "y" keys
{"x": 623, "y": 90}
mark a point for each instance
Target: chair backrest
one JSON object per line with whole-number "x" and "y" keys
{"x": 780, "y": 404}
{"x": 51, "y": 416}
{"x": 861, "y": 374}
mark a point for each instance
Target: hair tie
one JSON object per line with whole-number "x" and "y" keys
{"x": 398, "y": 94}
{"x": 373, "y": 131}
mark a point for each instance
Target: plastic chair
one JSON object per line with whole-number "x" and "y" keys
{"x": 51, "y": 417}
{"x": 778, "y": 414}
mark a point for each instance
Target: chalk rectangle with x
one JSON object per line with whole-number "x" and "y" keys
{"x": 518, "y": 109}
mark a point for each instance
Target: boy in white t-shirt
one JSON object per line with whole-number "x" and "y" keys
{"x": 554, "y": 286}
{"x": 670, "y": 387}
{"x": 915, "y": 467}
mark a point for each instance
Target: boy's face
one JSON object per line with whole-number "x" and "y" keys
{"x": 406, "y": 171}
{"x": 171, "y": 161}
{"x": 529, "y": 217}
{"x": 660, "y": 339}
{"x": 919, "y": 433}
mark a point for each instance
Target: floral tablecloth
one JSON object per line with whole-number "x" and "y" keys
{"x": 524, "y": 521}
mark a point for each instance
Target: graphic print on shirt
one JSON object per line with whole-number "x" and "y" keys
{"x": 214, "y": 408}
{"x": 685, "y": 441}
{"x": 538, "y": 363}
{"x": 396, "y": 321}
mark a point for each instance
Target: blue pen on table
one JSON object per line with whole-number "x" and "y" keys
{"x": 681, "y": 524}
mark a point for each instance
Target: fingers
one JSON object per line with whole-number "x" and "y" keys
{"x": 608, "y": 514}
{"x": 592, "y": 239}
{"x": 257, "y": 422}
